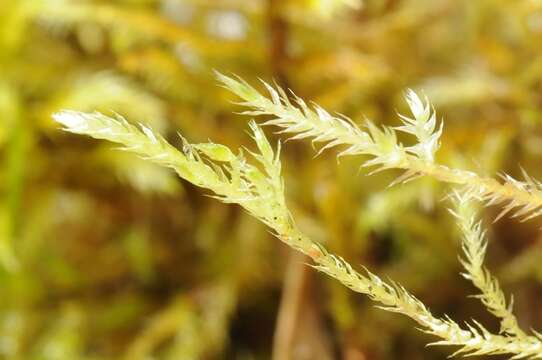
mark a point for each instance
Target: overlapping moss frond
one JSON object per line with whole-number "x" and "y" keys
{"x": 260, "y": 190}
{"x": 131, "y": 25}
{"x": 521, "y": 198}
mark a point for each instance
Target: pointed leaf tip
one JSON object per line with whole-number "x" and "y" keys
{"x": 70, "y": 119}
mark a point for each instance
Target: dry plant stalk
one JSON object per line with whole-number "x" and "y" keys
{"x": 259, "y": 189}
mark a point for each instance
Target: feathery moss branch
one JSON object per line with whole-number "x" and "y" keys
{"x": 211, "y": 166}
{"x": 474, "y": 245}
{"x": 261, "y": 192}
{"x": 522, "y": 198}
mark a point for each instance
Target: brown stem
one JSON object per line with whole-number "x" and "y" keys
{"x": 278, "y": 42}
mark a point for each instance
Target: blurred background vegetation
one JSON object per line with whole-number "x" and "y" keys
{"x": 104, "y": 256}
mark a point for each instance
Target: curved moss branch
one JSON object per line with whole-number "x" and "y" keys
{"x": 260, "y": 190}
